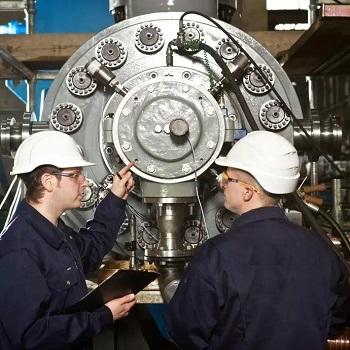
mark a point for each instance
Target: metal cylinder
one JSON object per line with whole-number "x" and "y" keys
{"x": 336, "y": 205}
{"x": 327, "y": 134}
{"x": 141, "y": 7}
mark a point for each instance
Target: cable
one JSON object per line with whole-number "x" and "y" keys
{"x": 315, "y": 226}
{"x": 262, "y": 75}
{"x": 8, "y": 192}
{"x": 339, "y": 230}
{"x": 197, "y": 192}
{"x": 14, "y": 204}
{"x": 241, "y": 100}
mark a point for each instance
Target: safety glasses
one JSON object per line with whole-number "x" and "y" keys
{"x": 225, "y": 179}
{"x": 77, "y": 175}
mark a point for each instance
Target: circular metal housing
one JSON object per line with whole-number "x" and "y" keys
{"x": 193, "y": 32}
{"x": 224, "y": 219}
{"x": 149, "y": 38}
{"x": 66, "y": 117}
{"x": 272, "y": 116}
{"x": 254, "y": 84}
{"x": 194, "y": 234}
{"x": 141, "y": 130}
{"x": 147, "y": 235}
{"x": 80, "y": 83}
{"x": 227, "y": 49}
{"x": 111, "y": 52}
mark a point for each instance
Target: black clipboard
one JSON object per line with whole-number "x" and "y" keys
{"x": 120, "y": 283}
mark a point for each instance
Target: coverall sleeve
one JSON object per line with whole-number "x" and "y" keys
{"x": 341, "y": 311}
{"x": 97, "y": 238}
{"x": 194, "y": 310}
{"x": 24, "y": 301}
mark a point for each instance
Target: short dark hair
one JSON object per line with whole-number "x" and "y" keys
{"x": 32, "y": 181}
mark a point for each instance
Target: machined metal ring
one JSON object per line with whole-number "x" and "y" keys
{"x": 227, "y": 49}
{"x": 66, "y": 117}
{"x": 273, "y": 117}
{"x": 149, "y": 38}
{"x": 80, "y": 83}
{"x": 254, "y": 83}
{"x": 111, "y": 52}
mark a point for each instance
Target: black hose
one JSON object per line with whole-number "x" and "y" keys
{"x": 233, "y": 84}
{"x": 263, "y": 77}
{"x": 343, "y": 238}
{"x": 315, "y": 226}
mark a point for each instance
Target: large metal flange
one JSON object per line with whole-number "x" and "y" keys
{"x": 227, "y": 49}
{"x": 80, "y": 83}
{"x": 273, "y": 117}
{"x": 142, "y": 131}
{"x": 111, "y": 52}
{"x": 254, "y": 84}
{"x": 149, "y": 38}
{"x": 66, "y": 117}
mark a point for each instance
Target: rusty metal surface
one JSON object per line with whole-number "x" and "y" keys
{"x": 341, "y": 343}
{"x": 325, "y": 47}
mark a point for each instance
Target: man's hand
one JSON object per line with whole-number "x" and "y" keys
{"x": 120, "y": 307}
{"x": 123, "y": 182}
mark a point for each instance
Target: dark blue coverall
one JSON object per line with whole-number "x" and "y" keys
{"x": 266, "y": 284}
{"x": 42, "y": 272}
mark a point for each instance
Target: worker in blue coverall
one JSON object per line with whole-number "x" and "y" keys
{"x": 265, "y": 284}
{"x": 43, "y": 261}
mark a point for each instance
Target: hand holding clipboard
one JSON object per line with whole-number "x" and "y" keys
{"x": 123, "y": 284}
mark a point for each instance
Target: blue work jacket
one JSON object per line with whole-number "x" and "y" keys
{"x": 266, "y": 284}
{"x": 42, "y": 272}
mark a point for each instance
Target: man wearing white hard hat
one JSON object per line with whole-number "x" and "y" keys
{"x": 43, "y": 261}
{"x": 265, "y": 284}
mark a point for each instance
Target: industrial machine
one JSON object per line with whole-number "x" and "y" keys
{"x": 170, "y": 92}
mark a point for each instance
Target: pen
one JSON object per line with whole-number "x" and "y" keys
{"x": 119, "y": 176}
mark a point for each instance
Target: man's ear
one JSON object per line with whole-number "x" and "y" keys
{"x": 48, "y": 181}
{"x": 247, "y": 193}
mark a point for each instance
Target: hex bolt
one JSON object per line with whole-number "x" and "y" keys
{"x": 211, "y": 144}
{"x": 158, "y": 129}
{"x": 210, "y": 111}
{"x": 126, "y": 146}
{"x": 151, "y": 168}
{"x": 167, "y": 128}
{"x": 186, "y": 168}
{"x": 126, "y": 111}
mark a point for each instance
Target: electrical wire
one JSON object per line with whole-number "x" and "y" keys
{"x": 262, "y": 75}
{"x": 344, "y": 239}
{"x": 8, "y": 192}
{"x": 315, "y": 226}
{"x": 14, "y": 203}
{"x": 196, "y": 187}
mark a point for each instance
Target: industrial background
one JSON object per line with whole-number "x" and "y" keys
{"x": 128, "y": 79}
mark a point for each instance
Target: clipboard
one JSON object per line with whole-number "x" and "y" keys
{"x": 120, "y": 283}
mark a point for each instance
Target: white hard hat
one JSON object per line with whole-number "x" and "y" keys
{"x": 270, "y": 158}
{"x": 47, "y": 148}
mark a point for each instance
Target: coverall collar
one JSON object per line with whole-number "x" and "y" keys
{"x": 259, "y": 214}
{"x": 49, "y": 232}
